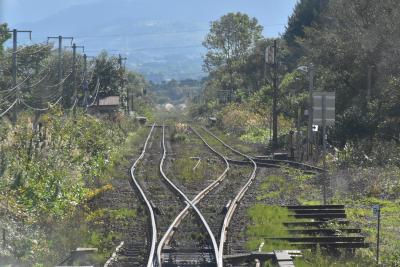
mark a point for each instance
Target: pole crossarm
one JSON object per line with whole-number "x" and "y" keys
{"x": 58, "y": 37}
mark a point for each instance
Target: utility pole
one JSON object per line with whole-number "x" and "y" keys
{"x": 311, "y": 73}
{"x": 275, "y": 100}
{"x": 378, "y": 235}
{"x": 15, "y": 67}
{"x": 122, "y": 70}
{"x": 60, "y": 66}
{"x": 376, "y": 210}
{"x": 271, "y": 58}
{"x": 74, "y": 47}
{"x": 85, "y": 81}
{"x": 324, "y": 146}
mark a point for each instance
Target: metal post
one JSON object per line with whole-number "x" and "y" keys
{"x": 275, "y": 100}
{"x": 60, "y": 65}
{"x": 291, "y": 145}
{"x": 85, "y": 85}
{"x": 324, "y": 130}
{"x": 378, "y": 235}
{"x": 299, "y": 136}
{"x": 14, "y": 71}
{"x": 75, "y": 88}
{"x": 74, "y": 70}
{"x": 324, "y": 145}
{"x": 60, "y": 58}
{"x": 120, "y": 59}
{"x": 265, "y": 78}
{"x": 84, "y": 65}
{"x": 14, "y": 57}
{"x": 310, "y": 111}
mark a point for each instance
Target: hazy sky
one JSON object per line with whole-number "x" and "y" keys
{"x": 16, "y": 12}
{"x": 156, "y": 35}
{"x": 19, "y": 11}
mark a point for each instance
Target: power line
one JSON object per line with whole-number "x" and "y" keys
{"x": 10, "y": 107}
{"x": 97, "y": 92}
{"x": 17, "y": 86}
{"x": 139, "y": 34}
{"x": 60, "y": 83}
{"x": 41, "y": 109}
{"x": 60, "y": 65}
{"x": 39, "y": 82}
{"x": 132, "y": 34}
{"x": 154, "y": 48}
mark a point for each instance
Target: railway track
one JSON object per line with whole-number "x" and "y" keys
{"x": 124, "y": 255}
{"x": 236, "y": 200}
{"x": 184, "y": 255}
{"x": 163, "y": 201}
{"x": 162, "y": 204}
{"x": 176, "y": 230}
{"x": 227, "y": 188}
{"x": 192, "y": 228}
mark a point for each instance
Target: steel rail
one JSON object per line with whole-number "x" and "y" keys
{"x": 171, "y": 229}
{"x": 295, "y": 164}
{"x": 150, "y": 261}
{"x": 236, "y": 200}
{"x": 114, "y": 255}
{"x": 189, "y": 203}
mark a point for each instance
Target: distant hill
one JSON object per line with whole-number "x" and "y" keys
{"x": 161, "y": 38}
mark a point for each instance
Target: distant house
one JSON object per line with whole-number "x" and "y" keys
{"x": 108, "y": 104}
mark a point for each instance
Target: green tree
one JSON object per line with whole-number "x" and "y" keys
{"x": 306, "y": 13}
{"x": 108, "y": 71}
{"x": 355, "y": 50}
{"x": 229, "y": 43}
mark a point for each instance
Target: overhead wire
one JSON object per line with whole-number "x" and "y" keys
{"x": 44, "y": 46}
{"x": 6, "y": 100}
{"x": 42, "y": 99}
{"x": 97, "y": 92}
{"x": 60, "y": 83}
{"x": 40, "y": 81}
{"x": 18, "y": 85}
{"x": 51, "y": 99}
{"x": 10, "y": 107}
{"x": 99, "y": 36}
{"x": 22, "y": 48}
{"x": 8, "y": 94}
{"x": 14, "y": 52}
{"x": 75, "y": 101}
{"x": 41, "y": 109}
